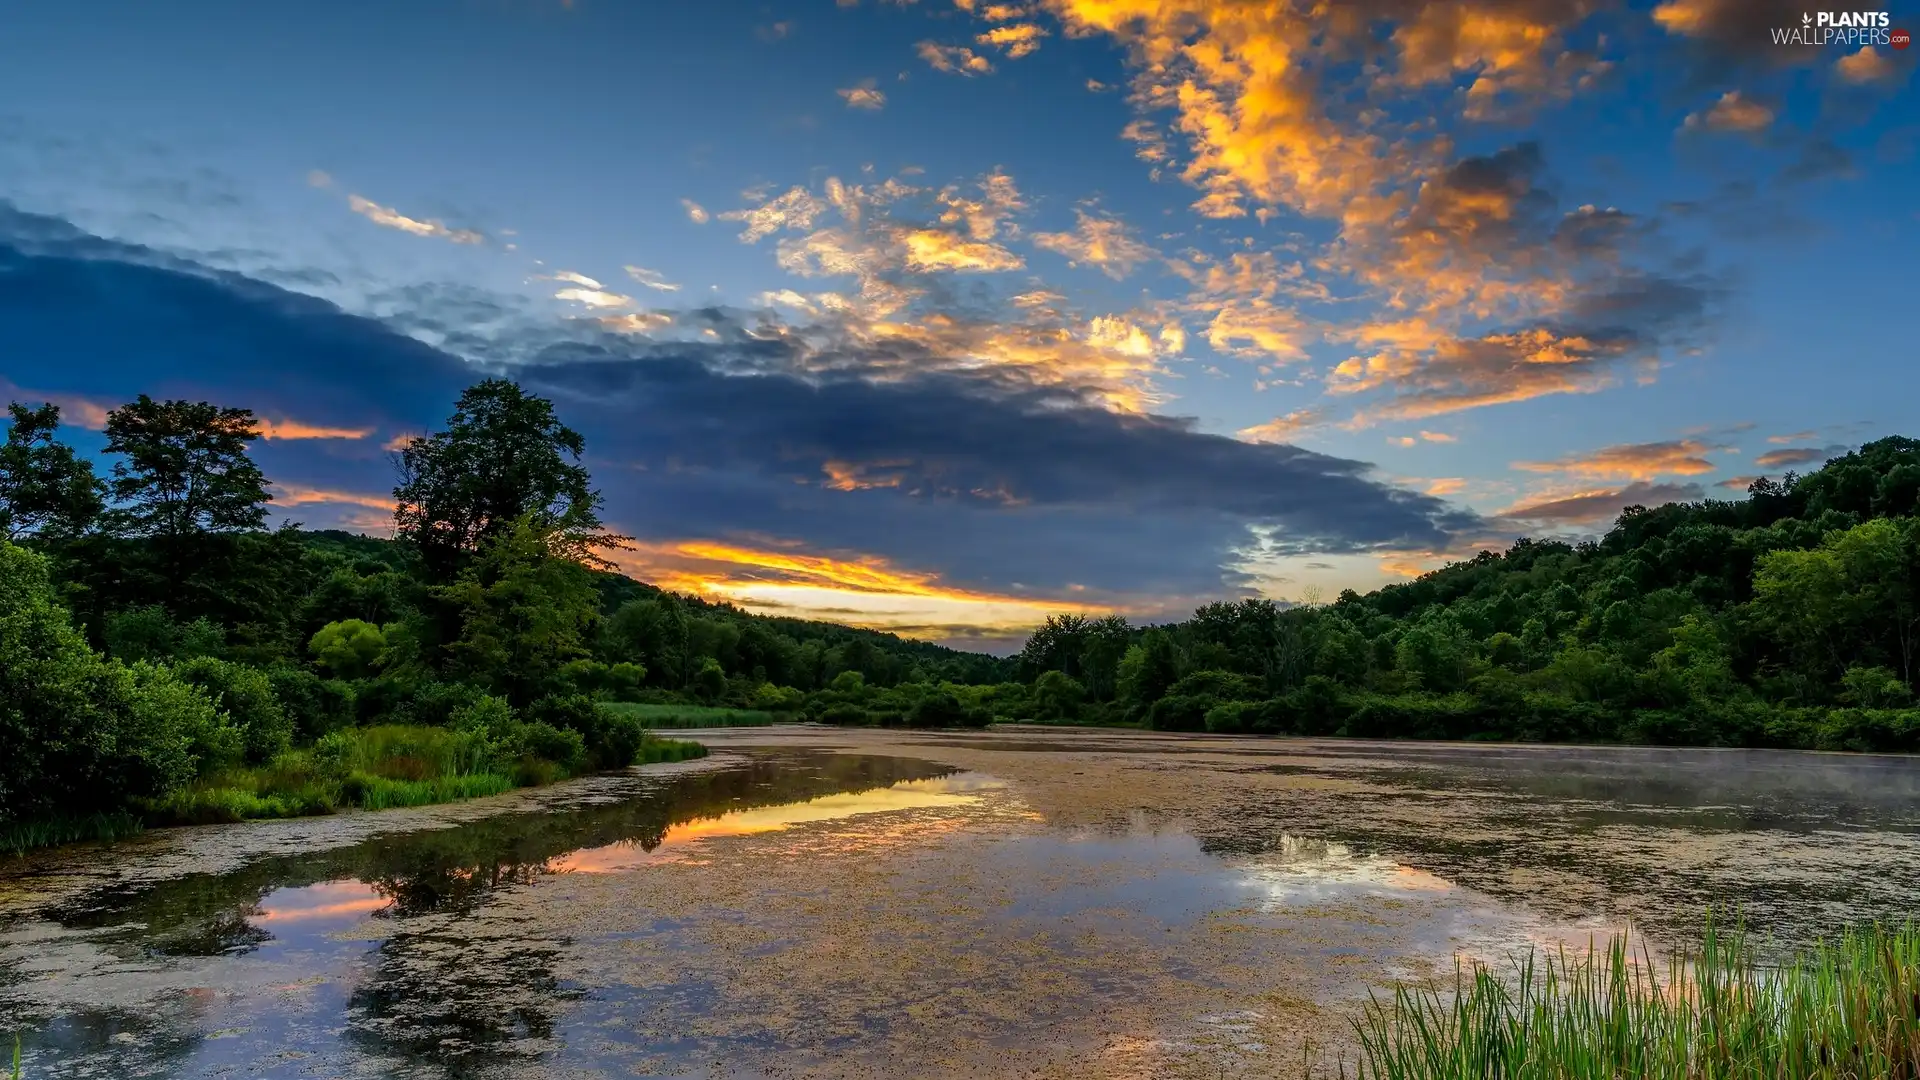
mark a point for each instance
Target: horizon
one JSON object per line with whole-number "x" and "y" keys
{"x": 938, "y": 318}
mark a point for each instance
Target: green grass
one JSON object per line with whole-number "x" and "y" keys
{"x": 22, "y": 836}
{"x": 654, "y": 750}
{"x": 691, "y": 716}
{"x": 372, "y": 768}
{"x": 1845, "y": 1010}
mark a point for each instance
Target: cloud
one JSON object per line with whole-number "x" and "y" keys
{"x": 938, "y": 249}
{"x": 1402, "y": 441}
{"x": 1281, "y": 428}
{"x": 1438, "y": 436}
{"x": 289, "y": 495}
{"x": 652, "y": 279}
{"x": 1021, "y": 39}
{"x": 1101, "y": 241}
{"x": 1736, "y": 483}
{"x": 695, "y": 212}
{"x": 394, "y": 219}
{"x": 1446, "y": 485}
{"x": 285, "y": 430}
{"x": 1797, "y": 436}
{"x": 1798, "y": 455}
{"x": 317, "y": 178}
{"x": 1633, "y": 461}
{"x": 1734, "y": 111}
{"x": 1869, "y": 65}
{"x": 75, "y": 410}
{"x": 796, "y": 208}
{"x": 899, "y": 444}
{"x": 953, "y": 59}
{"x": 864, "y": 96}
{"x": 1596, "y": 506}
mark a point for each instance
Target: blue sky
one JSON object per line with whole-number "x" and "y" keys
{"x": 942, "y": 316}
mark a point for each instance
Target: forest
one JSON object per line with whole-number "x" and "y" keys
{"x": 165, "y": 656}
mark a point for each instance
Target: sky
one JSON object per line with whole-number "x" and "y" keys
{"x": 942, "y": 316}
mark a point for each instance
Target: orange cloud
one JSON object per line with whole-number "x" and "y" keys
{"x": 295, "y": 429}
{"x": 300, "y": 495}
{"x": 1280, "y": 428}
{"x": 1734, "y": 111}
{"x": 1100, "y": 241}
{"x": 1021, "y": 39}
{"x": 937, "y": 249}
{"x": 864, "y": 96}
{"x": 861, "y": 590}
{"x": 1632, "y": 461}
{"x": 1438, "y": 436}
{"x": 953, "y": 59}
{"x": 394, "y": 219}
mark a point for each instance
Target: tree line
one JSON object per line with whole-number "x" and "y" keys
{"x": 1788, "y": 619}
{"x": 154, "y": 631}
{"x": 155, "y": 634}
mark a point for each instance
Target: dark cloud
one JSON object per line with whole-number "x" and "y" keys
{"x": 1597, "y": 507}
{"x": 1799, "y": 455}
{"x": 991, "y": 481}
{"x": 1819, "y": 159}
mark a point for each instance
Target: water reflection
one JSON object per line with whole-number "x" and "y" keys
{"x": 429, "y": 987}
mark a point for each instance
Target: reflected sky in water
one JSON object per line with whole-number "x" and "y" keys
{"x": 1024, "y": 906}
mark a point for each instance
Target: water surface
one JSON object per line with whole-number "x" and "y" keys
{"x": 1017, "y": 903}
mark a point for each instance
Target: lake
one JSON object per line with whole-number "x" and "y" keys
{"x": 1021, "y": 902}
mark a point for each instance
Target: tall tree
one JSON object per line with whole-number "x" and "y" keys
{"x": 185, "y": 470}
{"x": 504, "y": 457}
{"x": 46, "y": 490}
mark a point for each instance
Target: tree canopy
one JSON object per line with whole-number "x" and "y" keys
{"x": 184, "y": 469}
{"x": 504, "y": 458}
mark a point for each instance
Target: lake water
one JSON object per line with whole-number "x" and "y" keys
{"x": 820, "y": 903}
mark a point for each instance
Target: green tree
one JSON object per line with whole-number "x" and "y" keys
{"x": 710, "y": 682}
{"x": 523, "y": 614}
{"x": 504, "y": 457}
{"x": 1147, "y": 670}
{"x": 81, "y": 734}
{"x": 349, "y": 648}
{"x": 1057, "y": 696}
{"x": 184, "y": 469}
{"x": 46, "y": 490}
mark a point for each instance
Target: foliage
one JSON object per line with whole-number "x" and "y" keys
{"x": 184, "y": 469}
{"x": 523, "y": 615}
{"x": 690, "y": 716}
{"x": 1844, "y": 1009}
{"x": 246, "y": 695}
{"x": 1788, "y": 619}
{"x": 80, "y": 733}
{"x": 46, "y": 490}
{"x": 505, "y": 462}
{"x": 147, "y": 632}
{"x": 349, "y": 648}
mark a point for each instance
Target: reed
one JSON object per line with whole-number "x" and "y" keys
{"x": 1848, "y": 1009}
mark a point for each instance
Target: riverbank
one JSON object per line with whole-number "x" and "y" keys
{"x": 380, "y": 767}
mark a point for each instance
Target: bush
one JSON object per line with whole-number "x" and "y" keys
{"x": 149, "y": 633}
{"x": 844, "y": 714}
{"x": 1187, "y": 701}
{"x": 246, "y": 695}
{"x": 942, "y": 709}
{"x": 80, "y": 734}
{"x": 611, "y": 739}
{"x": 315, "y": 705}
{"x": 349, "y": 649}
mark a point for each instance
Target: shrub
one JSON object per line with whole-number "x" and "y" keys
{"x": 942, "y": 709}
{"x": 315, "y": 705}
{"x": 1057, "y": 696}
{"x": 611, "y": 739}
{"x": 149, "y": 633}
{"x": 710, "y": 681}
{"x": 246, "y": 695}
{"x": 350, "y": 648}
{"x": 80, "y": 734}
